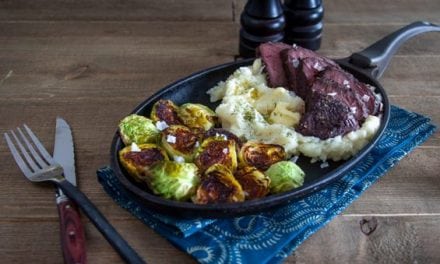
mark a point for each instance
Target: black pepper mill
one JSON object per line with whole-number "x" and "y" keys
{"x": 303, "y": 23}
{"x": 261, "y": 21}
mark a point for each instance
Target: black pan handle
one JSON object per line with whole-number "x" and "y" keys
{"x": 377, "y": 56}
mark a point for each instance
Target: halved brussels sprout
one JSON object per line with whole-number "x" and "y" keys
{"x": 197, "y": 115}
{"x": 138, "y": 129}
{"x": 173, "y": 180}
{"x": 261, "y": 155}
{"x": 254, "y": 183}
{"x": 218, "y": 185}
{"x": 165, "y": 110}
{"x": 180, "y": 142}
{"x": 216, "y": 151}
{"x": 223, "y": 133}
{"x": 137, "y": 161}
{"x": 285, "y": 176}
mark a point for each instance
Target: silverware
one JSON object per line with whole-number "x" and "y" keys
{"x": 71, "y": 228}
{"x": 38, "y": 166}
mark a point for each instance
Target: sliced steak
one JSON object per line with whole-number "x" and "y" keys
{"x": 342, "y": 93}
{"x": 274, "y": 69}
{"x": 363, "y": 93}
{"x": 326, "y": 117}
{"x": 302, "y": 66}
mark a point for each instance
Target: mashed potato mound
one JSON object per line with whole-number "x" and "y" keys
{"x": 252, "y": 110}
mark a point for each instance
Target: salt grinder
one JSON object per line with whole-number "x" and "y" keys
{"x": 303, "y": 23}
{"x": 261, "y": 21}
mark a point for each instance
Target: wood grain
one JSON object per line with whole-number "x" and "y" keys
{"x": 92, "y": 62}
{"x": 406, "y": 239}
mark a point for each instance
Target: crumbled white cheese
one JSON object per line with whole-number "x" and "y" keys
{"x": 171, "y": 139}
{"x": 345, "y": 82}
{"x": 179, "y": 159}
{"x": 225, "y": 151}
{"x": 365, "y": 98}
{"x": 324, "y": 165}
{"x": 135, "y": 147}
{"x": 161, "y": 125}
{"x": 332, "y": 94}
{"x": 197, "y": 144}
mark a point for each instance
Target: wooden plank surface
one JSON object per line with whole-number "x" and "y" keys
{"x": 93, "y": 61}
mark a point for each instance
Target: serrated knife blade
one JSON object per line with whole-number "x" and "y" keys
{"x": 63, "y": 150}
{"x": 71, "y": 229}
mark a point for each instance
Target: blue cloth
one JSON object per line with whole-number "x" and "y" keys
{"x": 272, "y": 236}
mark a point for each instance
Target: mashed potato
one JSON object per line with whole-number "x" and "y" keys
{"x": 252, "y": 110}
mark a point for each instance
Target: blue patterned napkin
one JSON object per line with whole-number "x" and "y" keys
{"x": 272, "y": 236}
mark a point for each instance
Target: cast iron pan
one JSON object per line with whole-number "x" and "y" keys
{"x": 367, "y": 66}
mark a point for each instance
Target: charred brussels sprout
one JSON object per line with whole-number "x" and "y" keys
{"x": 285, "y": 176}
{"x": 180, "y": 142}
{"x": 261, "y": 155}
{"x": 218, "y": 185}
{"x": 225, "y": 134}
{"x": 254, "y": 183}
{"x": 166, "y": 111}
{"x": 136, "y": 161}
{"x": 197, "y": 115}
{"x": 216, "y": 151}
{"x": 138, "y": 129}
{"x": 173, "y": 180}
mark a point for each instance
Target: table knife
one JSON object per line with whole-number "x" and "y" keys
{"x": 71, "y": 229}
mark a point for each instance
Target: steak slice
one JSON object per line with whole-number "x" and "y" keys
{"x": 343, "y": 93}
{"x": 364, "y": 94}
{"x": 270, "y": 55}
{"x": 302, "y": 66}
{"x": 326, "y": 117}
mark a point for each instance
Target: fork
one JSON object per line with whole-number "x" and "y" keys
{"x": 39, "y": 166}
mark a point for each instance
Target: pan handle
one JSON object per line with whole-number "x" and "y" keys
{"x": 376, "y": 57}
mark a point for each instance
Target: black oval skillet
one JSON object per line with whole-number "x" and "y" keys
{"x": 367, "y": 66}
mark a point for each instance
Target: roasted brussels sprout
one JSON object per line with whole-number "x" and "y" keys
{"x": 197, "y": 115}
{"x": 223, "y": 133}
{"x": 136, "y": 159}
{"x": 180, "y": 142}
{"x": 165, "y": 110}
{"x": 216, "y": 151}
{"x": 253, "y": 182}
{"x": 138, "y": 129}
{"x": 285, "y": 176}
{"x": 260, "y": 155}
{"x": 218, "y": 185}
{"x": 173, "y": 180}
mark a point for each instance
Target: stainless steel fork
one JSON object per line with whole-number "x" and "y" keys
{"x": 39, "y": 166}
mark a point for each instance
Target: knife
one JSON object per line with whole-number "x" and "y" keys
{"x": 71, "y": 229}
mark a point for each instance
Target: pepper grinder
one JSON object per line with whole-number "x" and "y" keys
{"x": 261, "y": 21}
{"x": 303, "y": 23}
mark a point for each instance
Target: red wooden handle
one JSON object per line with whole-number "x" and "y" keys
{"x": 72, "y": 233}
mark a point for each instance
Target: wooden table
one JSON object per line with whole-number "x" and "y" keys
{"x": 92, "y": 62}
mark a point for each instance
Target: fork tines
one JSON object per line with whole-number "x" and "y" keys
{"x": 30, "y": 157}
